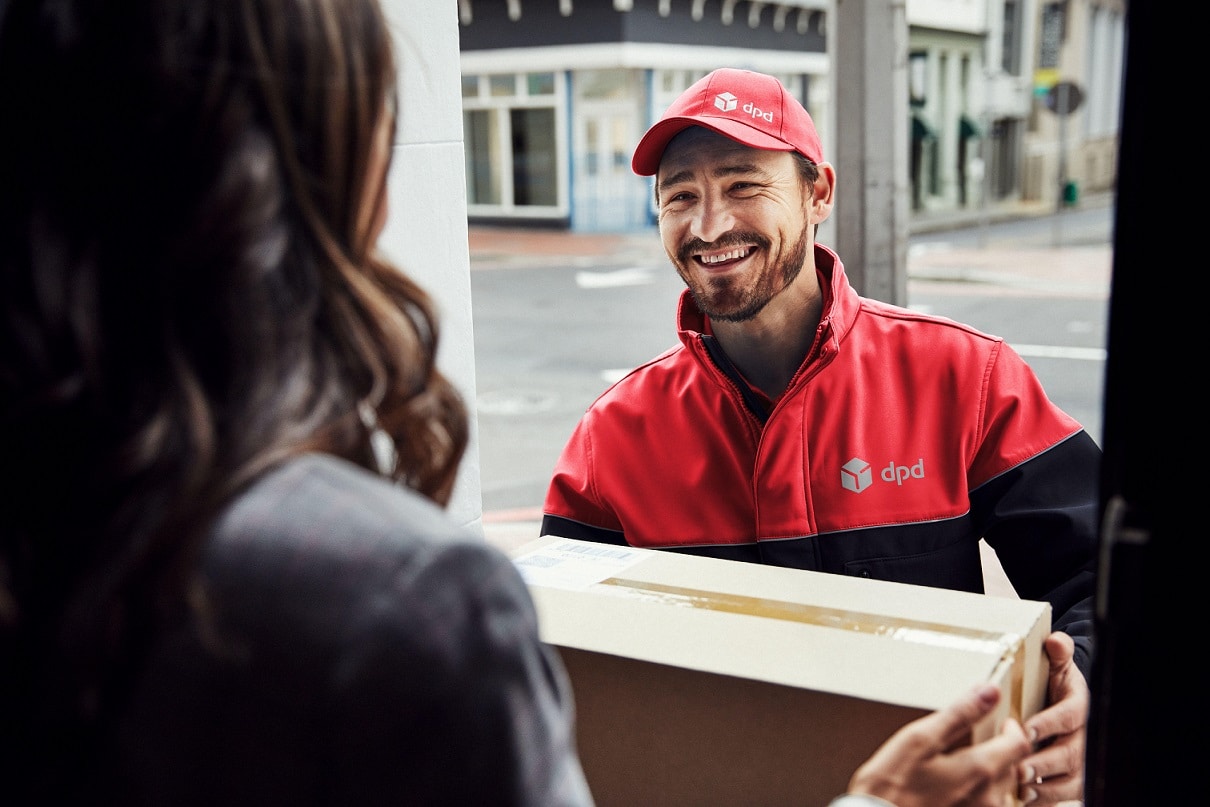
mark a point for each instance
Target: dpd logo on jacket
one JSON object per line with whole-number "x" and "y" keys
{"x": 857, "y": 474}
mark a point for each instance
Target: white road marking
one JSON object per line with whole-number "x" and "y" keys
{"x": 636, "y": 276}
{"x": 1058, "y": 352}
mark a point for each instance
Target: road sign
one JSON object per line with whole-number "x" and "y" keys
{"x": 1044, "y": 79}
{"x": 1064, "y": 98}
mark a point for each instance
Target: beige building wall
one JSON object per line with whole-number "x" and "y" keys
{"x": 1083, "y": 144}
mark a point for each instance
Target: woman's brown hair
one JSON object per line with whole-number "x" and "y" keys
{"x": 189, "y": 296}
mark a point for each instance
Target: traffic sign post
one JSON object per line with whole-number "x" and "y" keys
{"x": 1063, "y": 98}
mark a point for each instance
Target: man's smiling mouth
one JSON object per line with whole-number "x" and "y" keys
{"x": 723, "y": 257}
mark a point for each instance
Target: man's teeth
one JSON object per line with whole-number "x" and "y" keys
{"x": 734, "y": 254}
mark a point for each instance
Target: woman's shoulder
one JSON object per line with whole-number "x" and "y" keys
{"x": 319, "y": 529}
{"x": 317, "y": 495}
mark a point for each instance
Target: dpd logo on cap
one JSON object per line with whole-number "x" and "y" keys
{"x": 725, "y": 101}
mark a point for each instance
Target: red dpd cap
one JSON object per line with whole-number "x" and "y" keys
{"x": 748, "y": 107}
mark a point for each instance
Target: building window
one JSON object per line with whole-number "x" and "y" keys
{"x": 511, "y": 134}
{"x": 918, "y": 79}
{"x": 470, "y": 86}
{"x": 603, "y": 85}
{"x": 502, "y": 86}
{"x": 535, "y": 178}
{"x": 1104, "y": 72}
{"x": 482, "y": 156}
{"x": 1010, "y": 44}
{"x": 539, "y": 84}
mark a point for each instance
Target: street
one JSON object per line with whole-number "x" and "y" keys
{"x": 551, "y": 334}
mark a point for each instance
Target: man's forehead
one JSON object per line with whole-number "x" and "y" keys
{"x": 697, "y": 145}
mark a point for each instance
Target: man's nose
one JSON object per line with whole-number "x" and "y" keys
{"x": 714, "y": 218}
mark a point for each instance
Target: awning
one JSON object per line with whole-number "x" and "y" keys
{"x": 921, "y": 130}
{"x": 968, "y": 128}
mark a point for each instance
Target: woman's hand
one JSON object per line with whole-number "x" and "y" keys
{"x": 928, "y": 763}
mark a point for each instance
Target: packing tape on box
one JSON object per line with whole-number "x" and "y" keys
{"x": 1005, "y": 646}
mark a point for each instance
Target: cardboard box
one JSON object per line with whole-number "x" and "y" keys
{"x": 703, "y": 682}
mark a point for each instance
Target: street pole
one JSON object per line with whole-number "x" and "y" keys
{"x": 985, "y": 154}
{"x": 871, "y": 157}
{"x": 1061, "y": 102}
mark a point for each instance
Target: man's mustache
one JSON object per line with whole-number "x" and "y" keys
{"x": 733, "y": 239}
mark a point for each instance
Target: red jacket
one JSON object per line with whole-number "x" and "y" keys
{"x": 901, "y": 441}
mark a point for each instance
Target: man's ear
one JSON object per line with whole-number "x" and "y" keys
{"x": 823, "y": 193}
